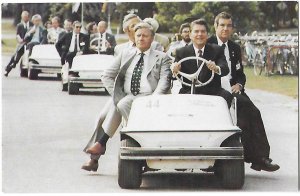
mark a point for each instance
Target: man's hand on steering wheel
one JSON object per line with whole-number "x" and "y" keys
{"x": 175, "y": 67}
{"x": 211, "y": 65}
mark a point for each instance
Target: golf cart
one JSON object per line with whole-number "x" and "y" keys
{"x": 43, "y": 59}
{"x": 180, "y": 133}
{"x": 90, "y": 69}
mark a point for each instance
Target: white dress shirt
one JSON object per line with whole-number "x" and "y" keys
{"x": 36, "y": 35}
{"x": 145, "y": 87}
{"x": 227, "y": 56}
{"x": 72, "y": 45}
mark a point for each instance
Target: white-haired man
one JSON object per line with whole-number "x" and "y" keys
{"x": 133, "y": 74}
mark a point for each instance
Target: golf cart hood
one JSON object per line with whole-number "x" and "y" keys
{"x": 180, "y": 113}
{"x": 92, "y": 63}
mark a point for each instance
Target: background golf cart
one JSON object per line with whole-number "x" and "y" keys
{"x": 90, "y": 69}
{"x": 43, "y": 59}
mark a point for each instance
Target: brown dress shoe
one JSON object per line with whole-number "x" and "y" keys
{"x": 92, "y": 165}
{"x": 96, "y": 149}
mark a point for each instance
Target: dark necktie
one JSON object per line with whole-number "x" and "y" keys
{"x": 136, "y": 76}
{"x": 223, "y": 46}
{"x": 199, "y": 55}
{"x": 75, "y": 49}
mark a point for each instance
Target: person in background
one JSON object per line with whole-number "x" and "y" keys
{"x": 184, "y": 32}
{"x": 102, "y": 42}
{"x": 163, "y": 40}
{"x": 68, "y": 27}
{"x": 54, "y": 31}
{"x": 22, "y": 28}
{"x": 91, "y": 28}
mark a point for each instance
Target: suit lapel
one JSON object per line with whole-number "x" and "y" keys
{"x": 153, "y": 58}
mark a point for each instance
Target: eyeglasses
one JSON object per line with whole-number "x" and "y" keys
{"x": 77, "y": 27}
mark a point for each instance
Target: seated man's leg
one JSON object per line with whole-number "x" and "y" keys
{"x": 226, "y": 95}
{"x": 124, "y": 105}
{"x": 69, "y": 58}
{"x": 30, "y": 46}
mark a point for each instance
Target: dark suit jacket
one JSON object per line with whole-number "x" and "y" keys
{"x": 237, "y": 70}
{"x": 63, "y": 44}
{"x": 109, "y": 38}
{"x": 212, "y": 52}
{"x": 21, "y": 31}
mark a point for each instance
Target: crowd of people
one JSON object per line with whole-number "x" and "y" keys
{"x": 146, "y": 65}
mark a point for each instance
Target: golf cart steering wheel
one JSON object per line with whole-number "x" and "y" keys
{"x": 96, "y": 49}
{"x": 194, "y": 77}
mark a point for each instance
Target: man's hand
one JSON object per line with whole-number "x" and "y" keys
{"x": 175, "y": 67}
{"x": 236, "y": 88}
{"x": 211, "y": 65}
{"x": 107, "y": 44}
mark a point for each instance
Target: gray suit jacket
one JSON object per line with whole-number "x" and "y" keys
{"x": 158, "y": 73}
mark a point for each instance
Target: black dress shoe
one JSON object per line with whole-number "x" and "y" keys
{"x": 92, "y": 165}
{"x": 6, "y": 74}
{"x": 265, "y": 164}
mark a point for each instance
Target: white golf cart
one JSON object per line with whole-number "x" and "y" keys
{"x": 90, "y": 69}
{"x": 43, "y": 59}
{"x": 181, "y": 133}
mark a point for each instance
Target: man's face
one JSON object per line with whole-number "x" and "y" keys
{"x": 68, "y": 26}
{"x": 143, "y": 39}
{"x": 185, "y": 34}
{"x": 77, "y": 28}
{"x": 130, "y": 30}
{"x": 25, "y": 17}
{"x": 224, "y": 29}
{"x": 36, "y": 21}
{"x": 199, "y": 35}
{"x": 55, "y": 23}
{"x": 101, "y": 27}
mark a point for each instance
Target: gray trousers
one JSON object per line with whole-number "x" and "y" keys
{"x": 108, "y": 122}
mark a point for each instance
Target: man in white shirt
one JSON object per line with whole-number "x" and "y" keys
{"x": 135, "y": 73}
{"x": 54, "y": 31}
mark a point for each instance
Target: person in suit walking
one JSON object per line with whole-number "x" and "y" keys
{"x": 72, "y": 44}
{"x": 135, "y": 73}
{"x": 102, "y": 42}
{"x": 254, "y": 138}
{"x": 216, "y": 62}
{"x": 22, "y": 28}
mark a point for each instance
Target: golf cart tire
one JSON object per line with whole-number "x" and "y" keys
{"x": 129, "y": 171}
{"x": 231, "y": 172}
{"x": 23, "y": 72}
{"x": 73, "y": 89}
{"x": 59, "y": 75}
{"x": 32, "y": 74}
{"x": 64, "y": 87}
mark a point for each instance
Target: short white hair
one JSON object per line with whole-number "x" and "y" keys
{"x": 152, "y": 22}
{"x": 144, "y": 25}
{"x": 127, "y": 18}
{"x": 36, "y": 16}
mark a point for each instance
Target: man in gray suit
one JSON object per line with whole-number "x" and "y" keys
{"x": 135, "y": 73}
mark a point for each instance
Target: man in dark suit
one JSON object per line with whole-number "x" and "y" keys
{"x": 22, "y": 28}
{"x": 254, "y": 138}
{"x": 216, "y": 62}
{"x": 72, "y": 44}
{"x": 102, "y": 41}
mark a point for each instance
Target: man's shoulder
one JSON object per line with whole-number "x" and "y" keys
{"x": 233, "y": 45}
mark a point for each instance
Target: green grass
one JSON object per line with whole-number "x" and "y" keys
{"x": 282, "y": 84}
{"x": 8, "y": 46}
{"x": 8, "y": 28}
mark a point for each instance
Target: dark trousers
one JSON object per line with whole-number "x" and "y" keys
{"x": 15, "y": 58}
{"x": 30, "y": 46}
{"x": 254, "y": 138}
{"x": 69, "y": 58}
{"x": 210, "y": 91}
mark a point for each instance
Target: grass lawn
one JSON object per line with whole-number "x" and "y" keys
{"x": 282, "y": 84}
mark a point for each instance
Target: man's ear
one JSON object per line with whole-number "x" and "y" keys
{"x": 215, "y": 25}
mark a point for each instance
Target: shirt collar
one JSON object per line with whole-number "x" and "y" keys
{"x": 184, "y": 43}
{"x": 131, "y": 44}
{"x": 196, "y": 49}
{"x": 146, "y": 53}
{"x": 220, "y": 43}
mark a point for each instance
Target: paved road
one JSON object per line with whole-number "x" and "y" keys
{"x": 44, "y": 131}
